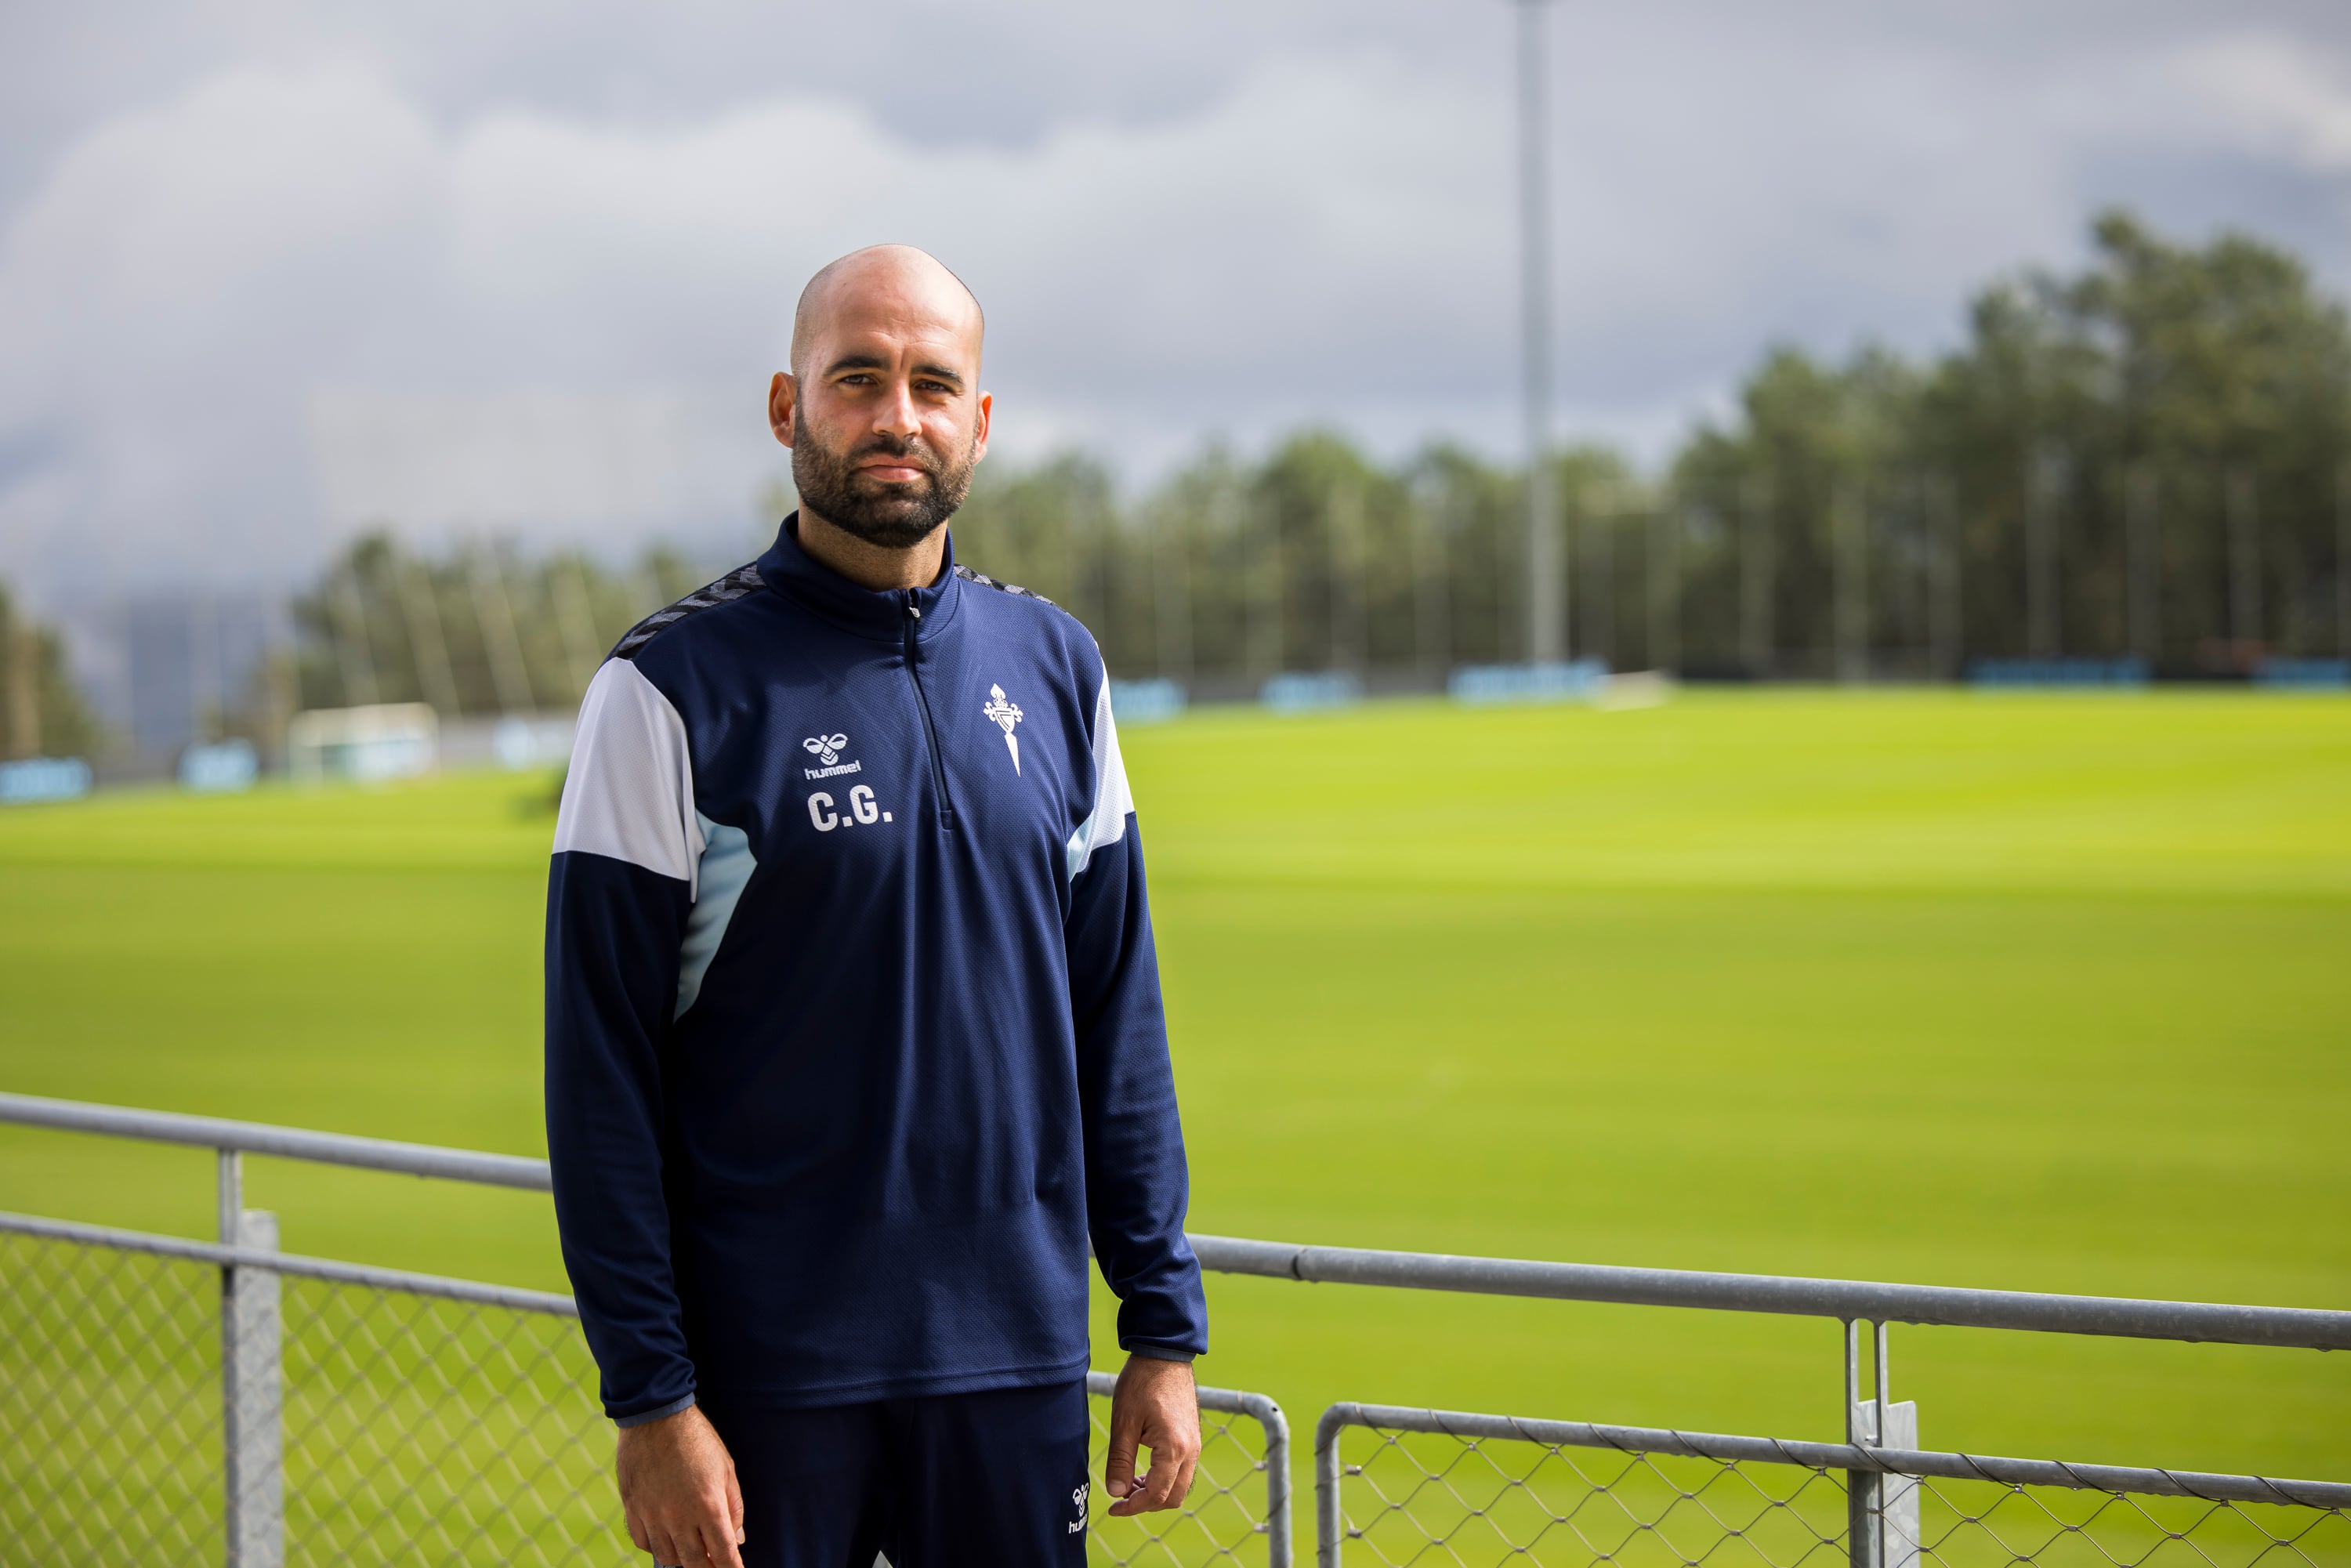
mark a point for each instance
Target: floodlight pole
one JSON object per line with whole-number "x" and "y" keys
{"x": 1546, "y": 601}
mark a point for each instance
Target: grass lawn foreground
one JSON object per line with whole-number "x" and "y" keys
{"x": 2034, "y": 991}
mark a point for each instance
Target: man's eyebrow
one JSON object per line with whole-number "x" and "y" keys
{"x": 937, "y": 373}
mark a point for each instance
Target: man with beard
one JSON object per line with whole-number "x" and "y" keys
{"x": 853, "y": 1027}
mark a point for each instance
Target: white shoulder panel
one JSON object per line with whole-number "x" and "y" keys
{"x": 1113, "y": 801}
{"x": 630, "y": 793}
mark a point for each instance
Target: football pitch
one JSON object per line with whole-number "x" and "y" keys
{"x": 2036, "y": 991}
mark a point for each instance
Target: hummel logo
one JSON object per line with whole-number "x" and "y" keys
{"x": 1000, "y": 710}
{"x": 1078, "y": 1497}
{"x": 828, "y": 749}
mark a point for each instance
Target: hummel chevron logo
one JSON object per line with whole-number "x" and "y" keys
{"x": 1000, "y": 708}
{"x": 828, "y": 749}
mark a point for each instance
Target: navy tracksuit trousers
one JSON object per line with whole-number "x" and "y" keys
{"x": 994, "y": 1480}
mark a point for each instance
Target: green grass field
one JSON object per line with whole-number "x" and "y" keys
{"x": 2037, "y": 992}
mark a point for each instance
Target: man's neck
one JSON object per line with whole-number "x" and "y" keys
{"x": 869, "y": 565}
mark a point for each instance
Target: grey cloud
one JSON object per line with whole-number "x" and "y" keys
{"x": 268, "y": 274}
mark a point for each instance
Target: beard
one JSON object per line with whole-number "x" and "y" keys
{"x": 892, "y": 516}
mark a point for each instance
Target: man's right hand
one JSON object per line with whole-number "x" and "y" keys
{"x": 678, "y": 1490}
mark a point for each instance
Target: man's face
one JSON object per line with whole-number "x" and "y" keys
{"x": 885, "y": 418}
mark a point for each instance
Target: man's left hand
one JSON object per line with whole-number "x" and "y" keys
{"x": 1156, "y": 1406}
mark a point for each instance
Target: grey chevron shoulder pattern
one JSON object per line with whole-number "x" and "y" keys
{"x": 984, "y": 580}
{"x": 743, "y": 579}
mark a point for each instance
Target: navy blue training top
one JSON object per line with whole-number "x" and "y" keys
{"x": 853, "y": 1025}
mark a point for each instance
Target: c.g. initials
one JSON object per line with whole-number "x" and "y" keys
{"x": 861, "y": 808}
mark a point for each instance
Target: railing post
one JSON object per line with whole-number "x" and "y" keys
{"x": 1279, "y": 1544}
{"x": 1330, "y": 1516}
{"x": 1863, "y": 1538}
{"x": 251, "y": 1385}
{"x": 1897, "y": 1426}
{"x": 1881, "y": 1509}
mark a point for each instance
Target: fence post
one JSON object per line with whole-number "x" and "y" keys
{"x": 1881, "y": 1509}
{"x": 251, "y": 1385}
{"x": 1895, "y": 1426}
{"x": 1330, "y": 1513}
{"x": 1280, "y": 1538}
{"x": 1861, "y": 1486}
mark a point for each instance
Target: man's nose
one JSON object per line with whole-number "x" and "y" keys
{"x": 897, "y": 414}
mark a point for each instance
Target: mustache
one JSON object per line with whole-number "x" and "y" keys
{"x": 884, "y": 445}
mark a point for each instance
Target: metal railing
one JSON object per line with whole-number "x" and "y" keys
{"x": 179, "y": 1402}
{"x": 1230, "y": 1511}
{"x": 163, "y": 1396}
{"x": 352, "y": 1479}
{"x": 1848, "y": 1300}
{"x": 1572, "y": 1491}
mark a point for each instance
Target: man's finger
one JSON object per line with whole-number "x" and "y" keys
{"x": 718, "y": 1544}
{"x": 1132, "y": 1504}
{"x": 639, "y": 1537}
{"x": 1166, "y": 1470}
{"x": 1172, "y": 1465}
{"x": 1118, "y": 1464}
{"x": 735, "y": 1501}
{"x": 1143, "y": 1497}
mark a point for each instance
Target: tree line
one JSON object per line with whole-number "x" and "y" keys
{"x": 484, "y": 628}
{"x": 42, "y": 712}
{"x": 2147, "y": 458}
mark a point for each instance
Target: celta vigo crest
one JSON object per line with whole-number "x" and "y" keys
{"x": 1000, "y": 708}
{"x": 828, "y": 747}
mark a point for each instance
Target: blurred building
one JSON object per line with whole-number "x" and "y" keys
{"x": 165, "y": 671}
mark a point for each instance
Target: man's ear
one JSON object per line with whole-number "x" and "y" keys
{"x": 783, "y": 393}
{"x": 979, "y": 431}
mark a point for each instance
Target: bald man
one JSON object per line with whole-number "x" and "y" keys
{"x": 854, "y": 1026}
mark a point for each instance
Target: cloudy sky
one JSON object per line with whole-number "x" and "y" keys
{"x": 270, "y": 272}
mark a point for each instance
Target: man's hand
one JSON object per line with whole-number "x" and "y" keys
{"x": 678, "y": 1490}
{"x": 1156, "y": 1406}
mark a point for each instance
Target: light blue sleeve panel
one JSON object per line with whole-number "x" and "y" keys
{"x": 726, "y": 866}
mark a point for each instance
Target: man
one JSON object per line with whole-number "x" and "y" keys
{"x": 854, "y": 1027}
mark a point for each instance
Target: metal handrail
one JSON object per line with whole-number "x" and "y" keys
{"x": 2212, "y": 1487}
{"x": 285, "y": 1142}
{"x": 271, "y": 1261}
{"x": 2306, "y": 1328}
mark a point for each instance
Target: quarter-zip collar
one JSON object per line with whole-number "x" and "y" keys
{"x": 881, "y": 614}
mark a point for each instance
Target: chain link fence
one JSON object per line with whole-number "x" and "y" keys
{"x": 165, "y": 1401}
{"x": 1437, "y": 1488}
{"x": 1238, "y": 1511}
{"x": 110, "y": 1404}
{"x": 411, "y": 1427}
